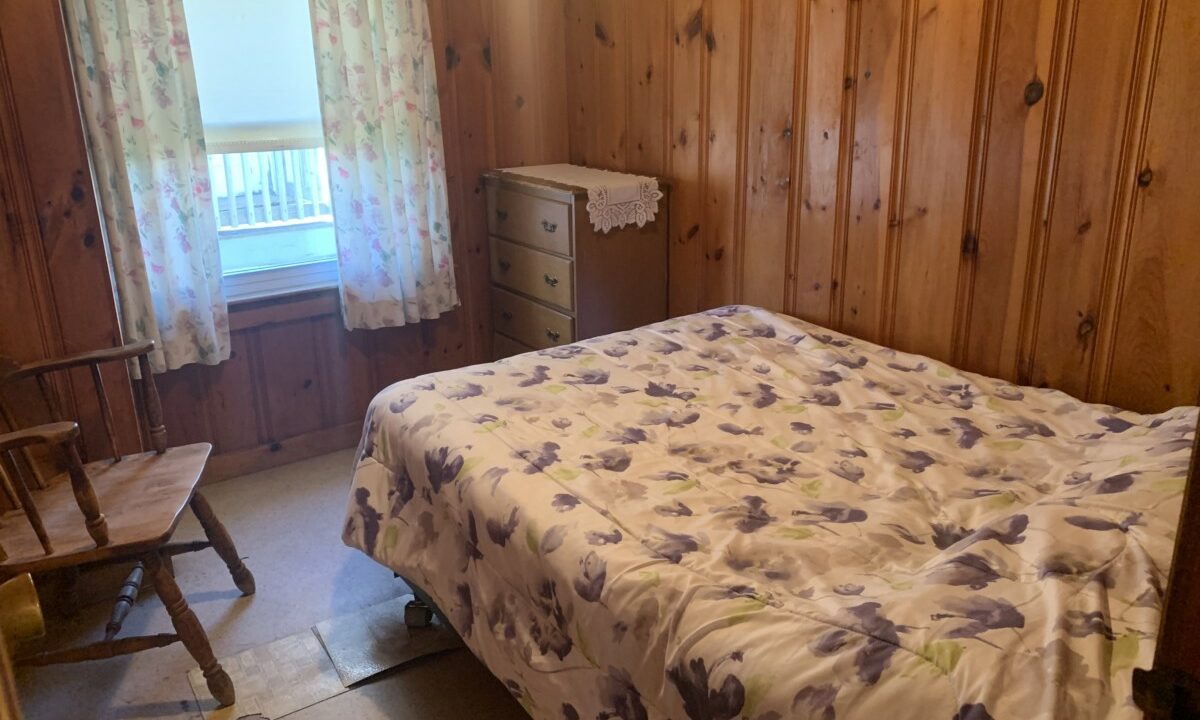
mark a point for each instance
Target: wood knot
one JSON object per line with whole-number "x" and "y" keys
{"x": 1086, "y": 327}
{"x": 1034, "y": 92}
{"x": 695, "y": 24}
{"x": 602, "y": 36}
{"x": 452, "y": 57}
{"x": 1145, "y": 177}
{"x": 970, "y": 245}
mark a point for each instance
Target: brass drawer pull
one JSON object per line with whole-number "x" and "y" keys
{"x": 502, "y": 213}
{"x": 550, "y": 280}
{"x": 506, "y": 315}
{"x": 549, "y": 226}
{"x": 552, "y": 334}
{"x": 505, "y": 265}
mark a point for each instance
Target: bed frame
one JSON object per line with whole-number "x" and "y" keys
{"x": 1171, "y": 689}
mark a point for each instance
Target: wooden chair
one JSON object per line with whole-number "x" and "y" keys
{"x": 118, "y": 509}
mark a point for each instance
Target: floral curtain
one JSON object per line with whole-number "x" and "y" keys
{"x": 383, "y": 141}
{"x": 137, "y": 87}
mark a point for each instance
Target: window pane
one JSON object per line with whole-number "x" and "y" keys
{"x": 272, "y": 208}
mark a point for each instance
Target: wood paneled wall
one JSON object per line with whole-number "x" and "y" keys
{"x": 1003, "y": 185}
{"x": 55, "y": 294}
{"x": 1006, "y": 185}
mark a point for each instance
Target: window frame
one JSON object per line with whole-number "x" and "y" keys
{"x": 260, "y": 284}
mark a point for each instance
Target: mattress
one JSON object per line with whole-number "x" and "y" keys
{"x": 738, "y": 514}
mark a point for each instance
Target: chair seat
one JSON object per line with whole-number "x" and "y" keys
{"x": 142, "y": 497}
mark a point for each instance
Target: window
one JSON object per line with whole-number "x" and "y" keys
{"x": 258, "y": 94}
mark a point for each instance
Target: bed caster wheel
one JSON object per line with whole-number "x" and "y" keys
{"x": 417, "y": 614}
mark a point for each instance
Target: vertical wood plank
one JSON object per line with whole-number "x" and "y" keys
{"x": 581, "y": 52}
{"x": 530, "y": 100}
{"x": 549, "y": 40}
{"x": 1157, "y": 335}
{"x": 827, "y": 86}
{"x": 184, "y": 395}
{"x": 648, "y": 27}
{"x": 290, "y": 373}
{"x": 985, "y": 81}
{"x": 686, "y": 155}
{"x": 722, "y": 214}
{"x": 881, "y": 41}
{"x": 946, "y": 54}
{"x": 769, "y": 138}
{"x": 233, "y": 413}
{"x": 346, "y": 382}
{"x": 468, "y": 57}
{"x": 446, "y": 60}
{"x": 1129, "y": 179}
{"x": 397, "y": 354}
{"x": 1007, "y": 206}
{"x": 610, "y": 39}
{"x": 1066, "y": 305}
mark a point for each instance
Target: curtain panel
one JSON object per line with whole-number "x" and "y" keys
{"x": 137, "y": 88}
{"x": 383, "y": 141}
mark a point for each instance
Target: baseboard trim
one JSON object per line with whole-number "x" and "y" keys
{"x": 264, "y": 457}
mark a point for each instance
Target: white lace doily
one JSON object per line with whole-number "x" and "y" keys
{"x": 614, "y": 199}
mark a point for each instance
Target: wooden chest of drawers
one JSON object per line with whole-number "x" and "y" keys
{"x": 554, "y": 279}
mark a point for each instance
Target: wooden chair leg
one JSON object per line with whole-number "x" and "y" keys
{"x": 190, "y": 631}
{"x": 223, "y": 544}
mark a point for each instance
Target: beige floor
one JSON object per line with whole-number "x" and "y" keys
{"x": 286, "y": 523}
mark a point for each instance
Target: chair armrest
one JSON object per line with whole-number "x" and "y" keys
{"x": 94, "y": 357}
{"x": 50, "y": 434}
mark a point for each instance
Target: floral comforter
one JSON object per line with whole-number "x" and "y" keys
{"x": 737, "y": 514}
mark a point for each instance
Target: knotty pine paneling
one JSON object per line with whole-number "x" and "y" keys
{"x": 297, "y": 383}
{"x": 997, "y": 184}
{"x": 55, "y": 294}
{"x": 1156, "y": 346}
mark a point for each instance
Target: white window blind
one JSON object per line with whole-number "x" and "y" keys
{"x": 255, "y": 74}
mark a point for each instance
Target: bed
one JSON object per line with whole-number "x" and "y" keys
{"x": 738, "y": 514}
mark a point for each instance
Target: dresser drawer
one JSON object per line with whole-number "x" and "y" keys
{"x": 531, "y": 220}
{"x": 504, "y": 347}
{"x": 538, "y": 274}
{"x": 528, "y": 322}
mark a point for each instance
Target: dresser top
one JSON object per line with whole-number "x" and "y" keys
{"x": 513, "y": 179}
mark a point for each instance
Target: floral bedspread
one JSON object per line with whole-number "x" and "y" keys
{"x": 737, "y": 514}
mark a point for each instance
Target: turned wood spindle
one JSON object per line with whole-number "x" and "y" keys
{"x": 126, "y": 597}
{"x": 26, "y": 501}
{"x": 153, "y": 407}
{"x": 187, "y": 625}
{"x": 223, "y": 544}
{"x": 85, "y": 496}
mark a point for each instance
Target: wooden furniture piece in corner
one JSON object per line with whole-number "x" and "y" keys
{"x": 20, "y": 619}
{"x": 1171, "y": 689}
{"x": 554, "y": 279}
{"x": 124, "y": 508}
